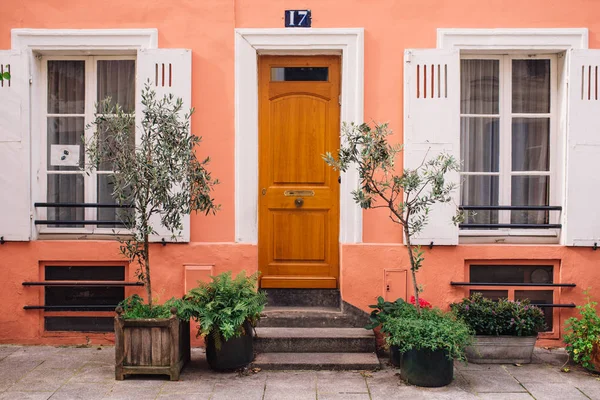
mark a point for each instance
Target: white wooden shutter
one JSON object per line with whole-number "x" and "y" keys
{"x": 15, "y": 201}
{"x": 432, "y": 126}
{"x": 169, "y": 71}
{"x": 581, "y": 214}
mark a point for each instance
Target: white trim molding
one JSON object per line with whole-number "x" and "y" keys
{"x": 249, "y": 43}
{"x": 83, "y": 39}
{"x": 552, "y": 39}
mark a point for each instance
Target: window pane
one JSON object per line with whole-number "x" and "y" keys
{"x": 531, "y": 86}
{"x": 65, "y": 188}
{"x": 65, "y": 131}
{"x": 530, "y": 191}
{"x": 494, "y": 295}
{"x": 88, "y": 273}
{"x": 531, "y": 144}
{"x": 79, "y": 324}
{"x": 479, "y": 86}
{"x": 107, "y": 146}
{"x": 116, "y": 79}
{"x": 299, "y": 74}
{"x": 511, "y": 274}
{"x": 66, "y": 87}
{"x": 479, "y": 144}
{"x": 105, "y": 196}
{"x": 480, "y": 191}
{"x": 539, "y": 297}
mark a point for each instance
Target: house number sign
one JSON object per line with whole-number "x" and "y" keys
{"x": 297, "y": 19}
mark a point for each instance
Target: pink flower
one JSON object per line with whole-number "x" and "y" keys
{"x": 422, "y": 302}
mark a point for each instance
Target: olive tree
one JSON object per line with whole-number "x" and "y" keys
{"x": 160, "y": 177}
{"x": 408, "y": 194}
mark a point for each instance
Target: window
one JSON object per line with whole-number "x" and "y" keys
{"x": 507, "y": 137}
{"x": 511, "y": 281}
{"x": 80, "y": 307}
{"x": 73, "y": 86}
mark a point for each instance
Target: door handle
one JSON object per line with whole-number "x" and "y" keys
{"x": 299, "y": 202}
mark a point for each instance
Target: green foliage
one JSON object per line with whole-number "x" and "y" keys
{"x": 384, "y": 310}
{"x": 583, "y": 334}
{"x": 223, "y": 305}
{"x": 135, "y": 308}
{"x": 428, "y": 329}
{"x": 503, "y": 317}
{"x": 160, "y": 176}
{"x": 408, "y": 195}
{"x": 5, "y": 76}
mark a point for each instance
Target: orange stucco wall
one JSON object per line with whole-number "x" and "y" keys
{"x": 207, "y": 27}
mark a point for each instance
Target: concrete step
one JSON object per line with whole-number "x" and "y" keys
{"x": 305, "y": 317}
{"x": 303, "y": 297}
{"x": 314, "y": 340}
{"x": 316, "y": 361}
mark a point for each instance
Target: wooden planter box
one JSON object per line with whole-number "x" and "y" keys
{"x": 151, "y": 346}
{"x": 501, "y": 349}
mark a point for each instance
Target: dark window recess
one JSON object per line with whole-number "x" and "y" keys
{"x": 511, "y": 274}
{"x": 79, "y": 324}
{"x": 281, "y": 74}
{"x": 82, "y": 298}
{"x": 96, "y": 273}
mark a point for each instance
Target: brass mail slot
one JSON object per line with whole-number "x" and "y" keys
{"x": 299, "y": 193}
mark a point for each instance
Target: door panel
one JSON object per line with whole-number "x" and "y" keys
{"x": 299, "y": 120}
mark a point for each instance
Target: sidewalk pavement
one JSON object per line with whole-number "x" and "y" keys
{"x": 45, "y": 372}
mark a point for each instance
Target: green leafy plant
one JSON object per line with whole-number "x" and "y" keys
{"x": 408, "y": 195}
{"x": 159, "y": 177}
{"x": 582, "y": 335}
{"x": 5, "y": 76}
{"x": 224, "y": 304}
{"x": 502, "y": 317}
{"x": 134, "y": 307}
{"x": 384, "y": 310}
{"x": 428, "y": 329}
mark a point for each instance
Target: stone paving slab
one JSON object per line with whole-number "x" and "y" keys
{"x": 46, "y": 372}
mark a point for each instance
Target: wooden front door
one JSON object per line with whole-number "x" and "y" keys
{"x": 299, "y": 120}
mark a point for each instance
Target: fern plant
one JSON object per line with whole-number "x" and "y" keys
{"x": 222, "y": 306}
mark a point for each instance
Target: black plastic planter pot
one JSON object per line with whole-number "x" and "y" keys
{"x": 427, "y": 368}
{"x": 234, "y": 353}
{"x": 395, "y": 356}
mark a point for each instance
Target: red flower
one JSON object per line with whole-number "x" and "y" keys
{"x": 422, "y": 302}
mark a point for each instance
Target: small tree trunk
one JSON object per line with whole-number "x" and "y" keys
{"x": 412, "y": 268}
{"x": 147, "y": 281}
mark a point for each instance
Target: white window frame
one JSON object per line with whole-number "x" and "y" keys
{"x": 39, "y": 42}
{"x": 505, "y": 172}
{"x": 91, "y": 178}
{"x": 524, "y": 41}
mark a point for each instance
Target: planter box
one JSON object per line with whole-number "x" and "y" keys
{"x": 233, "y": 353}
{"x": 501, "y": 349}
{"x": 151, "y": 346}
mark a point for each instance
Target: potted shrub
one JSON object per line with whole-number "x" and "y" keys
{"x": 384, "y": 310}
{"x": 160, "y": 180}
{"x": 227, "y": 311}
{"x": 408, "y": 195}
{"x": 428, "y": 340}
{"x": 505, "y": 330}
{"x": 582, "y": 336}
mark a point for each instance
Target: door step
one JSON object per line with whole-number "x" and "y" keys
{"x": 316, "y": 361}
{"x": 305, "y": 317}
{"x": 329, "y": 298}
{"x": 314, "y": 340}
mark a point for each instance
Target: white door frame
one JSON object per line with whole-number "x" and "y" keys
{"x": 249, "y": 43}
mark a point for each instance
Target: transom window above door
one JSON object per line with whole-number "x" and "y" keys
{"x": 74, "y": 86}
{"x": 507, "y": 140}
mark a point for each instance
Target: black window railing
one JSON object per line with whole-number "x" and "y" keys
{"x": 472, "y": 225}
{"x": 79, "y": 222}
